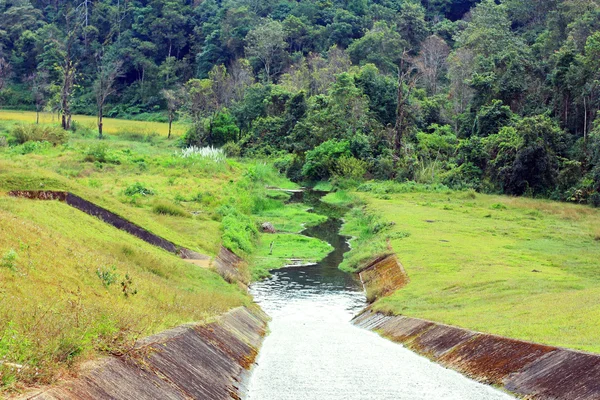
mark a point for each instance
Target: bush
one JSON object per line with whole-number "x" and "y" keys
{"x": 99, "y": 153}
{"x": 40, "y": 133}
{"x": 163, "y": 207}
{"x": 350, "y": 168}
{"x": 138, "y": 188}
{"x": 232, "y": 149}
{"x": 321, "y": 161}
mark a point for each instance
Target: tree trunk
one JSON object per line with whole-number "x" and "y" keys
{"x": 37, "y": 116}
{"x": 170, "y": 123}
{"x": 100, "y": 123}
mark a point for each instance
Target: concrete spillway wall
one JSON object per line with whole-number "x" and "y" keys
{"x": 383, "y": 276}
{"x": 529, "y": 370}
{"x": 190, "y": 362}
{"x": 110, "y": 218}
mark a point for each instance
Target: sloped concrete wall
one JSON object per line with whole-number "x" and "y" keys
{"x": 190, "y": 362}
{"x": 231, "y": 267}
{"x": 383, "y": 276}
{"x": 527, "y": 369}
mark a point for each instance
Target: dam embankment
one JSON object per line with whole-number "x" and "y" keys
{"x": 189, "y": 362}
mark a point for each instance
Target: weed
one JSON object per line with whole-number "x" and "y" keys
{"x": 107, "y": 275}
{"x": 127, "y": 286}
{"x": 138, "y": 189}
{"x": 9, "y": 259}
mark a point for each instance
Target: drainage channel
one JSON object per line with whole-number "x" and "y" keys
{"x": 314, "y": 352}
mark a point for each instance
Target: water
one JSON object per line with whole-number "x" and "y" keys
{"x": 314, "y": 352}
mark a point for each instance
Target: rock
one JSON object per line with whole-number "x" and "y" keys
{"x": 268, "y": 227}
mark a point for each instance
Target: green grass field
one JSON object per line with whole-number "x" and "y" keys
{"x": 523, "y": 268}
{"x": 111, "y": 126}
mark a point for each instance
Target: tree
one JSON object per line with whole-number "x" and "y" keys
{"x": 266, "y": 43}
{"x": 4, "y": 72}
{"x": 175, "y": 99}
{"x": 432, "y": 62}
{"x": 40, "y": 87}
{"x": 407, "y": 80}
{"x": 109, "y": 70}
{"x": 411, "y": 24}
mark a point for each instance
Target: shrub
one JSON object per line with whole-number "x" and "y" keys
{"x": 350, "y": 168}
{"x": 40, "y": 133}
{"x": 9, "y": 259}
{"x": 232, "y": 149}
{"x": 99, "y": 153}
{"x": 321, "y": 161}
{"x": 107, "y": 275}
{"x": 138, "y": 188}
{"x": 163, "y": 207}
{"x": 239, "y": 230}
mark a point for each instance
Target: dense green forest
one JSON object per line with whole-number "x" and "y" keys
{"x": 499, "y": 96}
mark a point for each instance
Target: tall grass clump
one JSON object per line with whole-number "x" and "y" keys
{"x": 163, "y": 207}
{"x": 40, "y": 133}
{"x": 209, "y": 153}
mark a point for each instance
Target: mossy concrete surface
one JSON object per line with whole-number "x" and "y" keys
{"x": 189, "y": 362}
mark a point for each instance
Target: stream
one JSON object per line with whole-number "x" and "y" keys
{"x": 312, "y": 350}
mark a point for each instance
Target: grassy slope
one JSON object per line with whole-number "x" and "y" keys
{"x": 198, "y": 187}
{"x": 474, "y": 266}
{"x": 111, "y": 126}
{"x": 55, "y": 309}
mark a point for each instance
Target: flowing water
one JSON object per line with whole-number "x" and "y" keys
{"x": 314, "y": 352}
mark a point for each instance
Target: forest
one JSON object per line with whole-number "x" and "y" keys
{"x": 496, "y": 96}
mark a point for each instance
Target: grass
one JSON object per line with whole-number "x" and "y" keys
{"x": 111, "y": 126}
{"x": 83, "y": 287}
{"x": 287, "y": 249}
{"x": 291, "y": 218}
{"x": 517, "y": 267}
{"x": 341, "y": 198}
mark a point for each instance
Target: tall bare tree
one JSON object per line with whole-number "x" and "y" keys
{"x": 40, "y": 88}
{"x": 4, "y": 72}
{"x": 104, "y": 86}
{"x": 175, "y": 99}
{"x": 432, "y": 62}
{"x": 460, "y": 71}
{"x": 407, "y": 81}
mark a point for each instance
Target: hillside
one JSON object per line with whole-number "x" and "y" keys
{"x": 498, "y": 96}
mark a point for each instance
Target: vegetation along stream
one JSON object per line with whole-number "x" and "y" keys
{"x": 314, "y": 352}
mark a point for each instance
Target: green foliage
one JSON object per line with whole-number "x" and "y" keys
{"x": 39, "y": 133}
{"x": 240, "y": 233}
{"x": 322, "y": 160}
{"x": 138, "y": 189}
{"x": 9, "y": 259}
{"x": 107, "y": 275}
